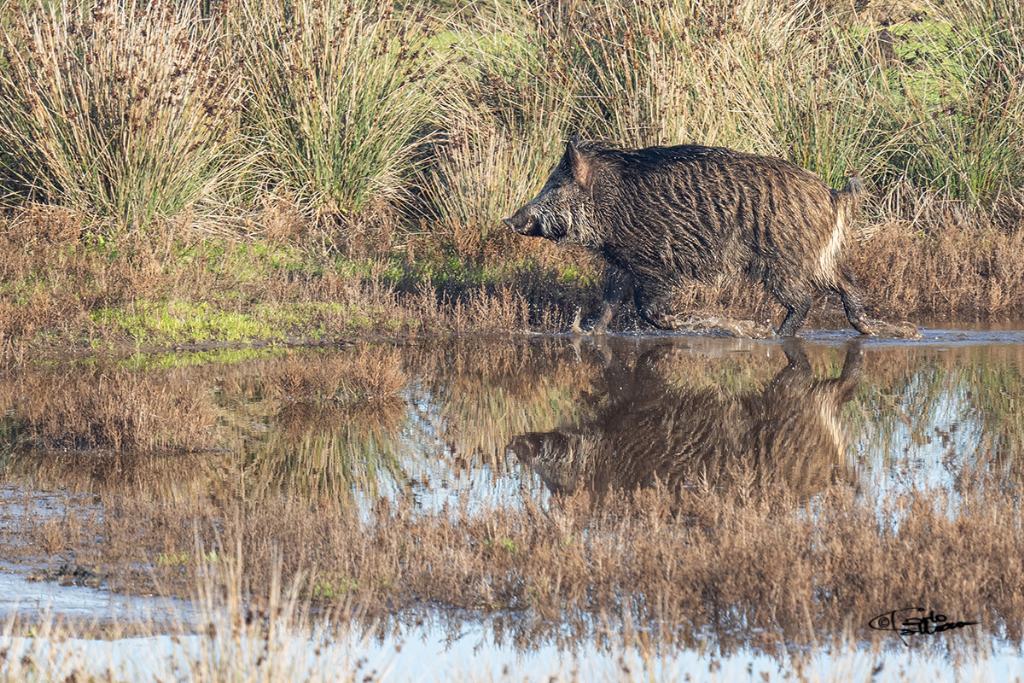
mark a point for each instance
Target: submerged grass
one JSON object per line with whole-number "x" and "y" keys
{"x": 750, "y": 570}
{"x": 232, "y": 637}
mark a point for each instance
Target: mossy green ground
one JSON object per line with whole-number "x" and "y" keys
{"x": 161, "y": 323}
{"x": 261, "y": 291}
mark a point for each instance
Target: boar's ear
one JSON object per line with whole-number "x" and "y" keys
{"x": 579, "y": 165}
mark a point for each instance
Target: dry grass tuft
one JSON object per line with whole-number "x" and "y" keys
{"x": 109, "y": 409}
{"x": 121, "y": 113}
{"x": 758, "y": 569}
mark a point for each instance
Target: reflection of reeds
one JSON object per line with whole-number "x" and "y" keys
{"x": 907, "y": 388}
{"x": 318, "y": 423}
{"x": 743, "y": 556}
{"x": 315, "y": 423}
{"x": 317, "y": 451}
{"x": 366, "y": 373}
{"x": 484, "y": 394}
{"x": 109, "y": 408}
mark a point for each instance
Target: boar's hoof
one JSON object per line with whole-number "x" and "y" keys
{"x": 576, "y": 327}
{"x": 596, "y": 328}
{"x": 864, "y": 327}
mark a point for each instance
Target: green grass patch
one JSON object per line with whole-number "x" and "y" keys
{"x": 183, "y": 322}
{"x": 169, "y": 361}
{"x": 179, "y": 322}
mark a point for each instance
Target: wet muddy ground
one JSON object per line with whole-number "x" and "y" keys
{"x": 486, "y": 502}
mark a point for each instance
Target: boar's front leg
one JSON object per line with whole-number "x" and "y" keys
{"x": 618, "y": 284}
{"x": 655, "y": 307}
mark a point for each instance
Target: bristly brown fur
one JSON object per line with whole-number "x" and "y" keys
{"x": 662, "y": 215}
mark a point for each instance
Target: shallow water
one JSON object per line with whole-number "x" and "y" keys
{"x": 19, "y": 595}
{"x": 491, "y": 423}
{"x": 427, "y": 657}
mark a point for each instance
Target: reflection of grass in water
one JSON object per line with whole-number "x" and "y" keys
{"x": 688, "y": 558}
{"x": 333, "y": 416}
{"x": 481, "y": 419}
{"x": 906, "y": 390}
{"x": 150, "y": 361}
{"x": 363, "y": 373}
{"x": 486, "y": 393}
{"x": 111, "y": 408}
{"x": 145, "y": 360}
{"x": 994, "y": 394}
{"x": 308, "y": 451}
{"x": 319, "y": 423}
{"x": 881, "y": 411}
{"x": 319, "y": 451}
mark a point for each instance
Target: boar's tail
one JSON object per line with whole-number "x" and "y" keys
{"x": 845, "y": 202}
{"x": 848, "y": 202}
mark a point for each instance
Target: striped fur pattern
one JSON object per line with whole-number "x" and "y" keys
{"x": 662, "y": 215}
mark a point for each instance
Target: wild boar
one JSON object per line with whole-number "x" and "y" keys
{"x": 661, "y": 215}
{"x": 646, "y": 429}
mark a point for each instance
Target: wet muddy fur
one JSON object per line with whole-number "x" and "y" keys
{"x": 661, "y": 215}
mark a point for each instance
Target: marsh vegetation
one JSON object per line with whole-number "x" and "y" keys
{"x": 244, "y": 244}
{"x": 196, "y": 172}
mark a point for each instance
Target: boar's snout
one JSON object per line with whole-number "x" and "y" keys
{"x": 524, "y": 447}
{"x": 523, "y": 222}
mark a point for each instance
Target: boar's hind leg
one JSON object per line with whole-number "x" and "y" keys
{"x": 797, "y": 306}
{"x": 848, "y": 292}
{"x": 655, "y": 308}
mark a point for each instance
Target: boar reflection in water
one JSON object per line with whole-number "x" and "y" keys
{"x": 646, "y": 430}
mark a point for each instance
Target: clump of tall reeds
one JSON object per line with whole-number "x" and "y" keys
{"x": 120, "y": 111}
{"x": 340, "y": 94}
{"x": 964, "y": 102}
{"x": 506, "y": 123}
{"x": 483, "y": 172}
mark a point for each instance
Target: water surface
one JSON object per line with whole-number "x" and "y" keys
{"x": 501, "y": 423}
